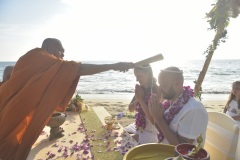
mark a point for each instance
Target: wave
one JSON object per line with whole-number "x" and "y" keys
{"x": 132, "y": 91}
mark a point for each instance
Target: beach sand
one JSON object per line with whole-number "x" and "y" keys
{"x": 116, "y": 104}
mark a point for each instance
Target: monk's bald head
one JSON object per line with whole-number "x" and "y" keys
{"x": 7, "y": 73}
{"x": 54, "y": 47}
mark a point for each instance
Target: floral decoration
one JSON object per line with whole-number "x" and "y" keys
{"x": 140, "y": 121}
{"x": 76, "y": 104}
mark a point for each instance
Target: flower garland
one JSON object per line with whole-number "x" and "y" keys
{"x": 140, "y": 121}
{"x": 176, "y": 107}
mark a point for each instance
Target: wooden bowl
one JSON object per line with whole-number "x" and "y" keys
{"x": 56, "y": 120}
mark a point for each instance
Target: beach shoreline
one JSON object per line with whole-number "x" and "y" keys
{"x": 118, "y": 103}
{"x": 128, "y": 96}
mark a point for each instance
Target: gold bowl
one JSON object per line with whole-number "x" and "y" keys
{"x": 150, "y": 151}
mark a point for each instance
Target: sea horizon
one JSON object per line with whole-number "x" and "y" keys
{"x": 218, "y": 80}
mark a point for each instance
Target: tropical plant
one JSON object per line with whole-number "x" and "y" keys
{"x": 218, "y": 18}
{"x": 75, "y": 103}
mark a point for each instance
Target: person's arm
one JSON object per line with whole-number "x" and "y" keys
{"x": 157, "y": 113}
{"x": 89, "y": 69}
{"x": 139, "y": 97}
{"x": 146, "y": 110}
{"x": 133, "y": 105}
{"x": 236, "y": 118}
{"x": 172, "y": 138}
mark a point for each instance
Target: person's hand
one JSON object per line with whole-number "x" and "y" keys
{"x": 155, "y": 107}
{"x": 123, "y": 66}
{"x": 138, "y": 92}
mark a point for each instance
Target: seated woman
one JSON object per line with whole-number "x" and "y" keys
{"x": 232, "y": 107}
{"x": 143, "y": 129}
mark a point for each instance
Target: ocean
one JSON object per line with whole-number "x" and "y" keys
{"x": 218, "y": 80}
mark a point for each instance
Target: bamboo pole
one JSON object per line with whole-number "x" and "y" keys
{"x": 207, "y": 62}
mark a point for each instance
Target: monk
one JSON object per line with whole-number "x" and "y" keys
{"x": 6, "y": 74}
{"x": 41, "y": 82}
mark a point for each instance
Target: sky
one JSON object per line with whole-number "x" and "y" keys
{"x": 118, "y": 30}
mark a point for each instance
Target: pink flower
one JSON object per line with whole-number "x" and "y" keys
{"x": 51, "y": 155}
{"x": 85, "y": 152}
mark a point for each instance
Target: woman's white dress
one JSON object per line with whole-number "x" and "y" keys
{"x": 233, "y": 110}
{"x": 148, "y": 135}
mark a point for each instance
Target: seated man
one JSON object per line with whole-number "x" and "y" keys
{"x": 181, "y": 118}
{"x": 6, "y": 74}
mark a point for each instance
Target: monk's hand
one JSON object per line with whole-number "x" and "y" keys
{"x": 123, "y": 66}
{"x": 138, "y": 92}
{"x": 155, "y": 107}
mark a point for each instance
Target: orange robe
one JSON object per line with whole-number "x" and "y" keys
{"x": 40, "y": 83}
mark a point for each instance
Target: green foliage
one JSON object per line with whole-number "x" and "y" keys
{"x": 218, "y": 19}
{"x": 68, "y": 108}
{"x": 199, "y": 94}
{"x": 130, "y": 114}
{"x": 127, "y": 114}
{"x": 78, "y": 97}
{"x": 219, "y": 14}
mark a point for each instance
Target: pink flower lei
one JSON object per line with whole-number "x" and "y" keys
{"x": 176, "y": 107}
{"x": 140, "y": 121}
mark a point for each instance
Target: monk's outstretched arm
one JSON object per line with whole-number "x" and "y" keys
{"x": 89, "y": 69}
